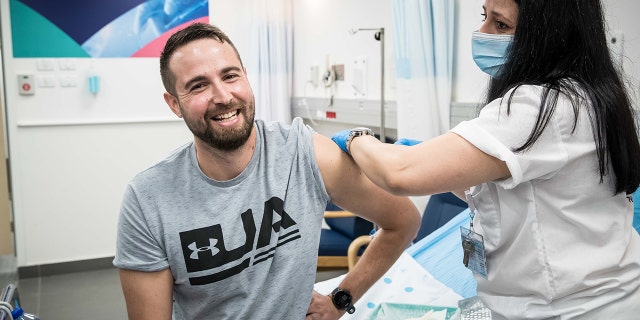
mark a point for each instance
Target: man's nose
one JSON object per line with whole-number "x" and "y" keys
{"x": 220, "y": 94}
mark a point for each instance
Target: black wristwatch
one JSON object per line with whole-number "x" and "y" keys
{"x": 357, "y": 132}
{"x": 341, "y": 298}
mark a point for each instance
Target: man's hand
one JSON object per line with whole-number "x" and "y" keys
{"x": 340, "y": 139}
{"x": 321, "y": 308}
{"x": 407, "y": 142}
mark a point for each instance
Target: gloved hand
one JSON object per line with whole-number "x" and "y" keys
{"x": 340, "y": 139}
{"x": 407, "y": 142}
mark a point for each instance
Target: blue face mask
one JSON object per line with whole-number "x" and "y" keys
{"x": 490, "y": 51}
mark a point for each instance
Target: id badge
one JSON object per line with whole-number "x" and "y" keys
{"x": 473, "y": 246}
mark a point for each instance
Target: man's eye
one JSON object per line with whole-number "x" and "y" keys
{"x": 484, "y": 17}
{"x": 197, "y": 87}
{"x": 230, "y": 76}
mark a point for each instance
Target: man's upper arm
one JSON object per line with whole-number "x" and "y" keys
{"x": 350, "y": 188}
{"x": 148, "y": 295}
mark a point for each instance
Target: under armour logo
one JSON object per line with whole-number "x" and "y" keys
{"x": 277, "y": 228}
{"x": 211, "y": 247}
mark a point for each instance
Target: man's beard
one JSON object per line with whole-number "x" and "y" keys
{"x": 226, "y": 139}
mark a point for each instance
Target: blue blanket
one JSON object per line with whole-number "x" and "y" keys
{"x": 440, "y": 253}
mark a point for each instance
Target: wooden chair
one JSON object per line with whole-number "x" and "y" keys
{"x": 342, "y": 244}
{"x": 439, "y": 210}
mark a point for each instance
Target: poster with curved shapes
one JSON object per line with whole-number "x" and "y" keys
{"x": 98, "y": 29}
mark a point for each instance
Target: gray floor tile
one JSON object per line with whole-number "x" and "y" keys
{"x": 80, "y": 295}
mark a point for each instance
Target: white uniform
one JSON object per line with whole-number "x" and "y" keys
{"x": 559, "y": 243}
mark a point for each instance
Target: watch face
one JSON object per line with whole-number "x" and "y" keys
{"x": 342, "y": 299}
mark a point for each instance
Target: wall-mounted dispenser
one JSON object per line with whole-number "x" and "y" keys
{"x": 94, "y": 80}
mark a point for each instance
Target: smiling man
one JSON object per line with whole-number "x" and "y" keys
{"x": 227, "y": 226}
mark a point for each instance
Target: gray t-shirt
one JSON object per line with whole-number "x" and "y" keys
{"x": 239, "y": 249}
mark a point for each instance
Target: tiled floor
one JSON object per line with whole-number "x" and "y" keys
{"x": 82, "y": 295}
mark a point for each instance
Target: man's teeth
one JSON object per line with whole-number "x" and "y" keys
{"x": 226, "y": 115}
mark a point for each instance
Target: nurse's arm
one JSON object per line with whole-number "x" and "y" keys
{"x": 444, "y": 163}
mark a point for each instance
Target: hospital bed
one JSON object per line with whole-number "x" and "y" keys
{"x": 429, "y": 274}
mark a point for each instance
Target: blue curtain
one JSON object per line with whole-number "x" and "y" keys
{"x": 424, "y": 37}
{"x": 269, "y": 63}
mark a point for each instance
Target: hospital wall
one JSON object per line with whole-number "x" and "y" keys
{"x": 72, "y": 152}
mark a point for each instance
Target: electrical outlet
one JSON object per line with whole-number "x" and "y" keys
{"x": 46, "y": 81}
{"x": 69, "y": 81}
{"x": 45, "y": 65}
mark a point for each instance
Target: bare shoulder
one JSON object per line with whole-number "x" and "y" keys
{"x": 327, "y": 152}
{"x": 336, "y": 167}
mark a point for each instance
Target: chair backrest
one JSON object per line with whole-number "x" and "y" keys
{"x": 351, "y": 227}
{"x": 440, "y": 209}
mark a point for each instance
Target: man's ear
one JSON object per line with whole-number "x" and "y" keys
{"x": 173, "y": 104}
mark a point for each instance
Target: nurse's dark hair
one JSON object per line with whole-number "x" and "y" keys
{"x": 193, "y": 32}
{"x": 558, "y": 44}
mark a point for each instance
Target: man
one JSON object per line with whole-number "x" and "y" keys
{"x": 228, "y": 225}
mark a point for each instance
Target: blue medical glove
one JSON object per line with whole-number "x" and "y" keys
{"x": 340, "y": 139}
{"x": 407, "y": 142}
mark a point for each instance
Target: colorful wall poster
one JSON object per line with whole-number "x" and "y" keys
{"x": 98, "y": 29}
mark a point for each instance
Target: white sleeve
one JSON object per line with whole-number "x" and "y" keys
{"x": 497, "y": 134}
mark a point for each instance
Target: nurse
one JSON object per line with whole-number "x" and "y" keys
{"x": 549, "y": 166}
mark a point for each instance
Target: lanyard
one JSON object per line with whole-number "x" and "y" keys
{"x": 471, "y": 204}
{"x": 474, "y": 256}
